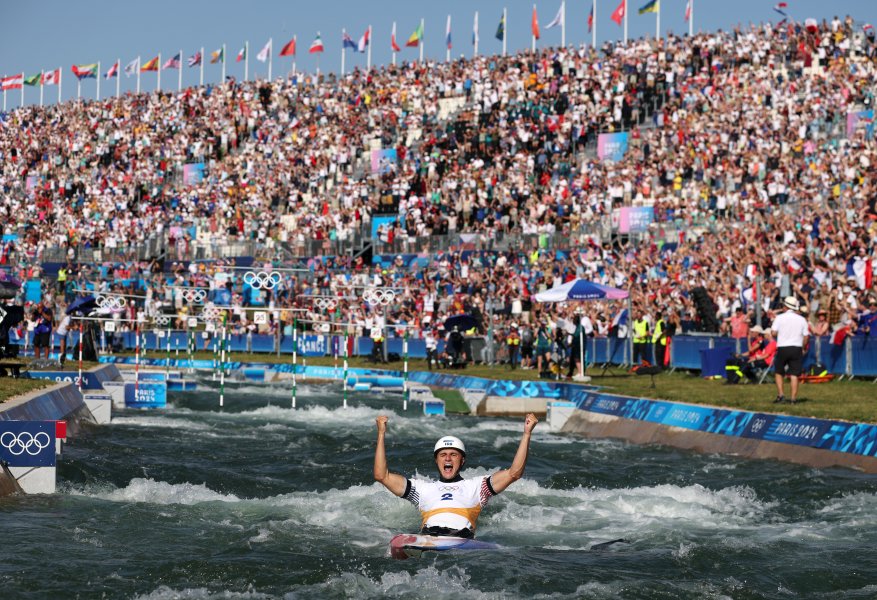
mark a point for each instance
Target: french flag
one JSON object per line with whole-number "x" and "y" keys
{"x": 113, "y": 72}
{"x": 862, "y": 270}
{"x": 781, "y": 8}
{"x": 620, "y": 319}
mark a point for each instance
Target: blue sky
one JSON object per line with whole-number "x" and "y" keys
{"x": 47, "y": 34}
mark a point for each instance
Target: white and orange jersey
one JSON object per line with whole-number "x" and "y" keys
{"x": 451, "y": 504}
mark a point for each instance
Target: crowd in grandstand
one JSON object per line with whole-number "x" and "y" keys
{"x": 739, "y": 140}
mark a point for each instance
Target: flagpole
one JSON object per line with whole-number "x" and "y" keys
{"x": 158, "y": 80}
{"x": 97, "y": 94}
{"x": 295, "y": 39}
{"x": 394, "y": 51}
{"x": 448, "y": 46}
{"x": 533, "y": 34}
{"x": 270, "y": 56}
{"x": 343, "y": 32}
{"x": 4, "y": 100}
{"x": 22, "y": 89}
{"x": 41, "y": 87}
{"x": 201, "y": 76}
{"x": 78, "y": 88}
{"x": 625, "y": 21}
{"x": 594, "y": 27}
{"x": 368, "y": 60}
{"x": 691, "y": 19}
{"x": 60, "y": 78}
{"x": 138, "y": 74}
{"x": 421, "y": 40}
{"x": 505, "y": 29}
{"x": 563, "y": 23}
{"x": 475, "y": 36}
{"x": 223, "y": 65}
{"x": 658, "y": 23}
{"x": 118, "y": 76}
{"x": 180, "y": 72}
{"x": 246, "y": 61}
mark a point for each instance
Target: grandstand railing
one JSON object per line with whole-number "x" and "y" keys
{"x": 856, "y": 357}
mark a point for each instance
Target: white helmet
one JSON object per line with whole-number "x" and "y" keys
{"x": 449, "y": 441}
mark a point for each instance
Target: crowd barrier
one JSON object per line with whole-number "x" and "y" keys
{"x": 855, "y": 357}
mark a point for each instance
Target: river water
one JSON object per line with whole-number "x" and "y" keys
{"x": 258, "y": 500}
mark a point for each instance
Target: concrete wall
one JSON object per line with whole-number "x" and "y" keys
{"x": 818, "y": 443}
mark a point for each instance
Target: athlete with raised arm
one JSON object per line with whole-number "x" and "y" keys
{"x": 450, "y": 505}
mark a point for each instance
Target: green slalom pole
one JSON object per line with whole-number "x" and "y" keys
{"x": 406, "y": 392}
{"x": 167, "y": 360}
{"x": 345, "y": 371}
{"x": 294, "y": 356}
{"x": 215, "y": 341}
{"x": 222, "y": 365}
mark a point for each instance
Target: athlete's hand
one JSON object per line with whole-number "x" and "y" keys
{"x": 382, "y": 423}
{"x": 530, "y": 422}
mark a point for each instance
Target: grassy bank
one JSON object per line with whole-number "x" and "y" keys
{"x": 847, "y": 400}
{"x": 13, "y": 387}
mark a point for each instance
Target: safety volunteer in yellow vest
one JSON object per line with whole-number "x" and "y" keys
{"x": 640, "y": 331}
{"x": 658, "y": 336}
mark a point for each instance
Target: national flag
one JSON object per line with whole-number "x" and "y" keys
{"x": 475, "y": 30}
{"x": 618, "y": 13}
{"x": 288, "y": 49}
{"x": 448, "y": 33}
{"x": 415, "y": 38}
{"x": 195, "y": 60}
{"x": 152, "y": 65}
{"x": 393, "y": 43}
{"x": 651, "y": 6}
{"x": 347, "y": 41}
{"x": 619, "y": 320}
{"x": 316, "y": 45}
{"x": 868, "y": 29}
{"x": 558, "y": 18}
{"x": 688, "y": 10}
{"x": 534, "y": 24}
{"x": 85, "y": 71}
{"x": 840, "y": 335}
{"x": 113, "y": 71}
{"x": 132, "y": 67}
{"x": 265, "y": 52}
{"x": 861, "y": 269}
{"x": 13, "y": 82}
{"x": 33, "y": 79}
{"x": 52, "y": 77}
{"x": 242, "y": 54}
{"x": 781, "y": 8}
{"x": 500, "y": 29}
{"x": 591, "y": 19}
{"x": 173, "y": 62}
{"x": 217, "y": 56}
{"x": 362, "y": 44}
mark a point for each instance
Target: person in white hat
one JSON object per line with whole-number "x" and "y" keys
{"x": 450, "y": 505}
{"x": 792, "y": 334}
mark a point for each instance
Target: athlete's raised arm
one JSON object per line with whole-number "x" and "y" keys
{"x": 503, "y": 479}
{"x": 392, "y": 481}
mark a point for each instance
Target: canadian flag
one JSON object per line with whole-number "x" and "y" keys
{"x": 618, "y": 13}
{"x": 52, "y": 77}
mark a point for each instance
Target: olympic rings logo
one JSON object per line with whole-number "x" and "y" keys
{"x": 211, "y": 313}
{"x": 161, "y": 320}
{"x": 262, "y": 280}
{"x": 383, "y": 296}
{"x": 113, "y": 303}
{"x": 25, "y": 442}
{"x": 325, "y": 303}
{"x": 195, "y": 296}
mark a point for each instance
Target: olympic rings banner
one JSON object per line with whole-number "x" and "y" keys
{"x": 28, "y": 443}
